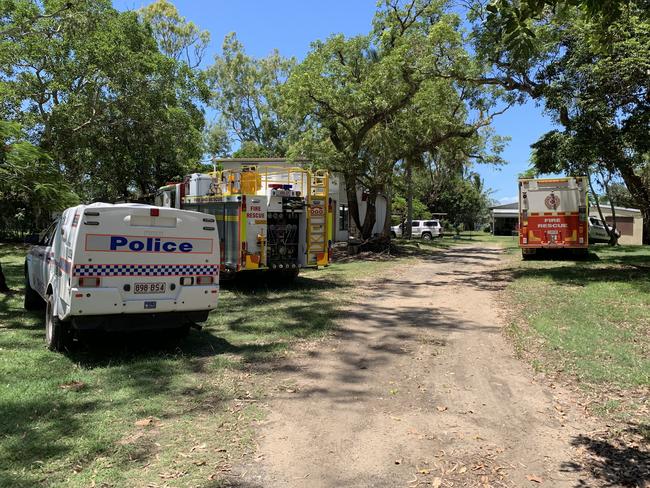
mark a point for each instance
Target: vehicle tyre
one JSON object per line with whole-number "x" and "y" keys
{"x": 393, "y": 235}
{"x": 33, "y": 300}
{"x": 57, "y": 334}
{"x": 426, "y": 236}
{"x": 526, "y": 256}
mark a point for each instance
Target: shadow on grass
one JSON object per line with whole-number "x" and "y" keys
{"x": 43, "y": 425}
{"x": 11, "y": 250}
{"x": 615, "y": 462}
{"x": 581, "y": 274}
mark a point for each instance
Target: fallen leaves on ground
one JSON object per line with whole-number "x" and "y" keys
{"x": 534, "y": 479}
{"x": 73, "y": 386}
{"x": 146, "y": 422}
{"x": 171, "y": 475}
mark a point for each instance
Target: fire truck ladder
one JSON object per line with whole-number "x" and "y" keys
{"x": 317, "y": 201}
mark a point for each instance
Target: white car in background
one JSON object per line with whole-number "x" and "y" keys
{"x": 123, "y": 267}
{"x": 598, "y": 231}
{"x": 424, "y": 229}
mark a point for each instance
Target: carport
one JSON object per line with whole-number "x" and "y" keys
{"x": 504, "y": 219}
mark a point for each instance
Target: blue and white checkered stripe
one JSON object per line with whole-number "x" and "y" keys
{"x": 145, "y": 269}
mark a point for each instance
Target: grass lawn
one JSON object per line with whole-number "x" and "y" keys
{"x": 415, "y": 246}
{"x": 134, "y": 410}
{"x": 591, "y": 320}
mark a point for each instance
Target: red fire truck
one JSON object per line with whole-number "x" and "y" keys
{"x": 553, "y": 215}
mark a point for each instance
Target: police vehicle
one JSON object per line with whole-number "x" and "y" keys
{"x": 123, "y": 267}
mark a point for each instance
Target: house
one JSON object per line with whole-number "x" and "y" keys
{"x": 342, "y": 225}
{"x": 505, "y": 221}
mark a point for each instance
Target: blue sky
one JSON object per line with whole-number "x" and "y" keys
{"x": 290, "y": 26}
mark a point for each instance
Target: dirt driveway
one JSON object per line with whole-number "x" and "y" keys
{"x": 418, "y": 388}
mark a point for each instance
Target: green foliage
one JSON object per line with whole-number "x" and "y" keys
{"x": 591, "y": 71}
{"x": 620, "y": 196}
{"x": 176, "y": 37}
{"x": 216, "y": 140}
{"x": 31, "y": 185}
{"x": 364, "y": 103}
{"x": 246, "y": 93}
{"x": 514, "y": 22}
{"x": 94, "y": 92}
{"x": 420, "y": 210}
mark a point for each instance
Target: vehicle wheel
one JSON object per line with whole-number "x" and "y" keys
{"x": 426, "y": 236}
{"x": 57, "y": 335}
{"x": 393, "y": 235}
{"x": 526, "y": 256}
{"x": 33, "y": 300}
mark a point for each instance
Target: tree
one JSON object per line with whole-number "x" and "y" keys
{"x": 246, "y": 93}
{"x": 620, "y": 196}
{"x": 117, "y": 130}
{"x": 447, "y": 184}
{"x": 512, "y": 21}
{"x": 177, "y": 38}
{"x": 30, "y": 185}
{"x": 357, "y": 99}
{"x": 216, "y": 140}
{"x": 593, "y": 77}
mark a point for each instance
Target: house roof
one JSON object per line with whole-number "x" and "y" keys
{"x": 509, "y": 206}
{"x": 259, "y": 160}
{"x": 513, "y": 209}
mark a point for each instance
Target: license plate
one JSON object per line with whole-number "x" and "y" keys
{"x": 147, "y": 288}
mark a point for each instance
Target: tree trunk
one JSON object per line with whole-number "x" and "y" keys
{"x": 613, "y": 238}
{"x": 389, "y": 210}
{"x": 371, "y": 214}
{"x": 353, "y": 203}
{"x": 409, "y": 200}
{"x": 3, "y": 283}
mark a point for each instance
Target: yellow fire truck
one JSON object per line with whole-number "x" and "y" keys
{"x": 275, "y": 219}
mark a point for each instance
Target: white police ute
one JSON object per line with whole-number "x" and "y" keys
{"x": 123, "y": 267}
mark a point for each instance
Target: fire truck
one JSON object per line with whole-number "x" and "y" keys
{"x": 272, "y": 219}
{"x": 553, "y": 215}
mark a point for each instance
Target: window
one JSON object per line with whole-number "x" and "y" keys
{"x": 48, "y": 235}
{"x": 344, "y": 217}
{"x": 416, "y": 223}
{"x": 431, "y": 223}
{"x": 597, "y": 222}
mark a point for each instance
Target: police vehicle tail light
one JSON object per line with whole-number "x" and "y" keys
{"x": 89, "y": 282}
{"x": 187, "y": 280}
{"x": 154, "y": 212}
{"x": 204, "y": 280}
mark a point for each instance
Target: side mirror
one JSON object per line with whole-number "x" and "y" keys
{"x": 32, "y": 239}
